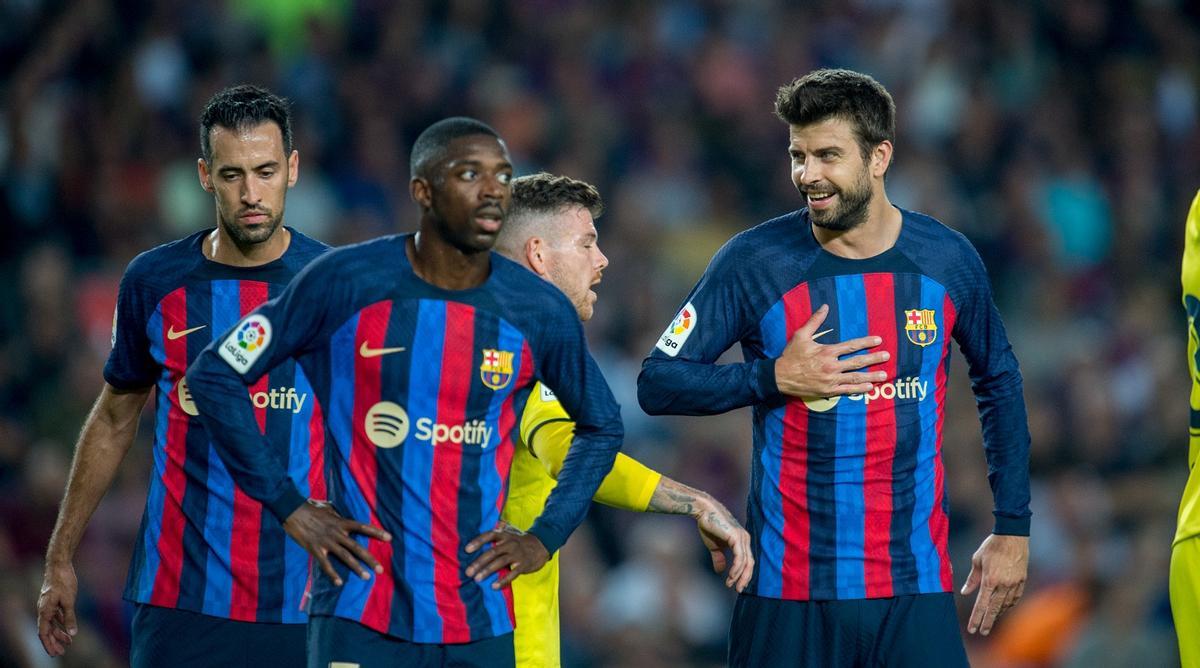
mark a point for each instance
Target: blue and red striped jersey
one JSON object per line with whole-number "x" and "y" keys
{"x": 847, "y": 495}
{"x": 422, "y": 388}
{"x": 204, "y": 545}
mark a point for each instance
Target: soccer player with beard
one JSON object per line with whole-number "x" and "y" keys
{"x": 423, "y": 349}
{"x": 844, "y": 311}
{"x": 214, "y": 579}
{"x": 550, "y": 230}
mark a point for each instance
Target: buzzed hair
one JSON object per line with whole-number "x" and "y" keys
{"x": 243, "y": 107}
{"x": 431, "y": 144}
{"x": 852, "y": 96}
{"x": 539, "y": 195}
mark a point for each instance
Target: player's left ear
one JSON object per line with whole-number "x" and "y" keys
{"x": 205, "y": 175}
{"x": 881, "y": 158}
{"x": 535, "y": 256}
{"x": 293, "y": 167}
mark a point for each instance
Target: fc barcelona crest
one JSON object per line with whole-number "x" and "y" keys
{"x": 920, "y": 324}
{"x": 496, "y": 370}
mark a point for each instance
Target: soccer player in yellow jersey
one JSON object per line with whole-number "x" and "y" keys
{"x": 1185, "y": 553}
{"x": 549, "y": 229}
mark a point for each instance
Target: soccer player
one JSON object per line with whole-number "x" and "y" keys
{"x": 847, "y": 505}
{"x": 423, "y": 350}
{"x": 1185, "y": 551}
{"x": 214, "y": 579}
{"x": 550, "y": 230}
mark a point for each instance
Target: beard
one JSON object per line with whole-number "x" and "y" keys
{"x": 248, "y": 236}
{"x": 850, "y": 212}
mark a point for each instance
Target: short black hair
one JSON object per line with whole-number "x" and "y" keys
{"x": 432, "y": 142}
{"x": 241, "y": 107}
{"x": 547, "y": 193}
{"x": 852, "y": 96}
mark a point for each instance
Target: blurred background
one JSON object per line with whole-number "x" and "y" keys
{"x": 1060, "y": 137}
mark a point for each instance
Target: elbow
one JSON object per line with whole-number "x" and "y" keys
{"x": 651, "y": 405}
{"x": 650, "y": 394}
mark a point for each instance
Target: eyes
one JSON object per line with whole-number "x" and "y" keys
{"x": 233, "y": 175}
{"x": 471, "y": 174}
{"x": 824, "y": 155}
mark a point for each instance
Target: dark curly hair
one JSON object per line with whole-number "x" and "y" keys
{"x": 855, "y": 97}
{"x": 241, "y": 107}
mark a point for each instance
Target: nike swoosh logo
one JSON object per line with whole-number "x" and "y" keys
{"x": 172, "y": 334}
{"x": 367, "y": 351}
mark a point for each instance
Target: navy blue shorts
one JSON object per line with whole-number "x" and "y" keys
{"x": 919, "y": 630}
{"x": 182, "y": 639}
{"x": 344, "y": 643}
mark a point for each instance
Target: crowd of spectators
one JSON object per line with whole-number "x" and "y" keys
{"x": 1061, "y": 138}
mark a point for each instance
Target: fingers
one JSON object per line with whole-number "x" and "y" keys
{"x": 51, "y": 636}
{"x": 806, "y": 331}
{"x": 489, "y": 562}
{"x": 365, "y": 556}
{"x": 973, "y": 578}
{"x": 69, "y": 625}
{"x": 996, "y": 605}
{"x": 507, "y": 577}
{"x": 855, "y": 362}
{"x": 982, "y": 601}
{"x": 481, "y": 540}
{"x": 322, "y": 557}
{"x": 743, "y": 562}
{"x": 348, "y": 558}
{"x": 367, "y": 530}
{"x": 855, "y": 345}
{"x": 718, "y": 560}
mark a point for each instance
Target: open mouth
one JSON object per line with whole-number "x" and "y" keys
{"x": 819, "y": 200}
{"x": 489, "y": 219}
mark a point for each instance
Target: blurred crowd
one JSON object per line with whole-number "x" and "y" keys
{"x": 1060, "y": 137}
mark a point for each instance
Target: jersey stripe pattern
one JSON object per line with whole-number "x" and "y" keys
{"x": 442, "y": 495}
{"x": 204, "y": 545}
{"x": 842, "y": 457}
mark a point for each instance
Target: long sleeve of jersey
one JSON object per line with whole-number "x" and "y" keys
{"x": 569, "y": 370}
{"x": 996, "y": 383}
{"x": 686, "y": 380}
{"x": 219, "y": 377}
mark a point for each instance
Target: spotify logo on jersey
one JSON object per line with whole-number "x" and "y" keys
{"x": 386, "y": 424}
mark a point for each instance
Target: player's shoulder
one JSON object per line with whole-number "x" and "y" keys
{"x": 304, "y": 249}
{"x": 166, "y": 265}
{"x": 363, "y": 259}
{"x": 514, "y": 284}
{"x": 783, "y": 235}
{"x": 929, "y": 240}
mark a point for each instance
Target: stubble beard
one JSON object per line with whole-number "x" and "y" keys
{"x": 850, "y": 212}
{"x": 243, "y": 236}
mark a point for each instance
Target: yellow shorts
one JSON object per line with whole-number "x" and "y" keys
{"x": 1185, "y": 599}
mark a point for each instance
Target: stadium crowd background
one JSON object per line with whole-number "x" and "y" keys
{"x": 1063, "y": 140}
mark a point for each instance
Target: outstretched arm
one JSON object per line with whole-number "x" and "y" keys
{"x": 106, "y": 437}
{"x": 718, "y": 528}
{"x": 633, "y": 486}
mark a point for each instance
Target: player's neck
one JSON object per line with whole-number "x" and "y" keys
{"x": 442, "y": 265}
{"x": 221, "y": 248}
{"x": 877, "y": 235}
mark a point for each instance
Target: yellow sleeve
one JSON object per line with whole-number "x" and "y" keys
{"x": 547, "y": 431}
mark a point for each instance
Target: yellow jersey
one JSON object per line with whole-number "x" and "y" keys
{"x": 545, "y": 436}
{"x": 1189, "y": 508}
